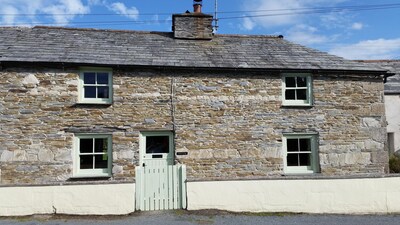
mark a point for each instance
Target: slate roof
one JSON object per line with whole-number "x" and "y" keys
{"x": 110, "y": 47}
{"x": 392, "y": 85}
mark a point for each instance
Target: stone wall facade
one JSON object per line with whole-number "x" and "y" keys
{"x": 229, "y": 123}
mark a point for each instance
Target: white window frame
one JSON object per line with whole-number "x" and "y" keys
{"x": 308, "y": 101}
{"x": 92, "y": 172}
{"x": 314, "y": 167}
{"x": 96, "y": 100}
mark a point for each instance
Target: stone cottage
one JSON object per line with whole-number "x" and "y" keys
{"x": 98, "y": 121}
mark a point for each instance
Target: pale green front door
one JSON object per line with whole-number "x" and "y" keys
{"x": 156, "y": 148}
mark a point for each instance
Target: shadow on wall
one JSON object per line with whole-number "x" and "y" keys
{"x": 394, "y": 162}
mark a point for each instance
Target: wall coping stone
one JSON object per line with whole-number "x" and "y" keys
{"x": 91, "y": 181}
{"x": 304, "y": 177}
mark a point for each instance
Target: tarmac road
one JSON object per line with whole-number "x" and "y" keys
{"x": 205, "y": 218}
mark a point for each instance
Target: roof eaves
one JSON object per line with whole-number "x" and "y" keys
{"x": 344, "y": 72}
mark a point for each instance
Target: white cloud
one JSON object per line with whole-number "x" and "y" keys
{"x": 10, "y": 14}
{"x": 11, "y": 8}
{"x": 357, "y": 26}
{"x": 97, "y": 2}
{"x": 267, "y": 7}
{"x": 248, "y": 24}
{"x": 66, "y": 10}
{"x": 306, "y": 35}
{"x": 336, "y": 20}
{"x": 369, "y": 49}
{"x": 57, "y": 10}
{"x": 120, "y": 8}
{"x": 272, "y": 13}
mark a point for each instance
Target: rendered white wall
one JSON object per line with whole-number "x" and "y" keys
{"x": 109, "y": 199}
{"x": 392, "y": 107}
{"x": 347, "y": 196}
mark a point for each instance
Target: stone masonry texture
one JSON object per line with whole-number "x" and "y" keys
{"x": 229, "y": 123}
{"x": 193, "y": 26}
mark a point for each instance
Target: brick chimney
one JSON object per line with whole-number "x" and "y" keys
{"x": 196, "y": 25}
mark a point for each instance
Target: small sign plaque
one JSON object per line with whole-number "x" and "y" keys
{"x": 181, "y": 153}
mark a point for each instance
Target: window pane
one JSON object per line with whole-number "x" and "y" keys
{"x": 102, "y": 92}
{"x": 101, "y": 161}
{"x": 292, "y": 145}
{"x": 86, "y": 145}
{"x": 157, "y": 144}
{"x": 90, "y": 92}
{"x": 290, "y": 94}
{"x": 305, "y": 159}
{"x": 89, "y": 78}
{"x": 305, "y": 145}
{"x": 102, "y": 78}
{"x": 100, "y": 145}
{"x": 290, "y": 82}
{"x": 301, "y": 94}
{"x": 301, "y": 81}
{"x": 86, "y": 162}
{"x": 292, "y": 160}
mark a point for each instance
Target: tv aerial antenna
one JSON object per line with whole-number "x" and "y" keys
{"x": 216, "y": 16}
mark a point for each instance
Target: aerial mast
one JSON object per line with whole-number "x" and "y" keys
{"x": 216, "y": 16}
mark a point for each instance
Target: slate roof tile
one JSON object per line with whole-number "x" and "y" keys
{"x": 110, "y": 47}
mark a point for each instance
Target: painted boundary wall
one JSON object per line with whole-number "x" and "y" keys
{"x": 344, "y": 196}
{"x": 107, "y": 199}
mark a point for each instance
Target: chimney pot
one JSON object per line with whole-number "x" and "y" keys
{"x": 197, "y": 4}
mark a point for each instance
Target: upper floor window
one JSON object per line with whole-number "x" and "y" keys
{"x": 300, "y": 152}
{"x": 92, "y": 155}
{"x": 95, "y": 86}
{"x": 297, "y": 89}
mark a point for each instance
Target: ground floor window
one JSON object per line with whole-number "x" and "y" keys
{"x": 92, "y": 155}
{"x": 300, "y": 153}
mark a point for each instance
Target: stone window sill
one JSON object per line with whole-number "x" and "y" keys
{"x": 88, "y": 178}
{"x": 297, "y": 106}
{"x": 92, "y": 105}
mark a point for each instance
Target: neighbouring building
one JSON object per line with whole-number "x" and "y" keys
{"x": 98, "y": 121}
{"x": 392, "y": 102}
